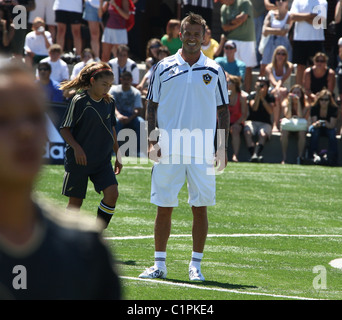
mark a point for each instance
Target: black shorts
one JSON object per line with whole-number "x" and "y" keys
{"x": 76, "y": 179}
{"x": 68, "y": 17}
{"x": 304, "y": 51}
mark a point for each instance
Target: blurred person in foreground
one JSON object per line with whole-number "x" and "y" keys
{"x": 43, "y": 255}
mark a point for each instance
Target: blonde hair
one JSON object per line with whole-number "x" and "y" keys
{"x": 286, "y": 63}
{"x": 82, "y": 82}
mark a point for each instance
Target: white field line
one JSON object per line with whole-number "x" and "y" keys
{"x": 234, "y": 235}
{"x": 192, "y": 286}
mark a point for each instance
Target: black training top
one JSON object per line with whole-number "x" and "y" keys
{"x": 91, "y": 123}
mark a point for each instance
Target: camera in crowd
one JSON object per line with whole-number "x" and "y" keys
{"x": 322, "y": 123}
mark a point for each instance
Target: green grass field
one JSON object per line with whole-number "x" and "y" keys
{"x": 272, "y": 233}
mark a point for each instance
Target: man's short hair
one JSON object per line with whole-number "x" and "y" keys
{"x": 193, "y": 18}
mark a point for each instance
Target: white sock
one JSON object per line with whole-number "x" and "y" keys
{"x": 196, "y": 258}
{"x": 159, "y": 259}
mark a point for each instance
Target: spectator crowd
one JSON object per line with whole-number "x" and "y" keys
{"x": 298, "y": 87}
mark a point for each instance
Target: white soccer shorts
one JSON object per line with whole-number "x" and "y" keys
{"x": 168, "y": 179}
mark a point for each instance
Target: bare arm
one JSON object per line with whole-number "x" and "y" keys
{"x": 79, "y": 153}
{"x": 151, "y": 116}
{"x": 222, "y": 140}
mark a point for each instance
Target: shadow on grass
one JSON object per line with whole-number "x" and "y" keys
{"x": 209, "y": 283}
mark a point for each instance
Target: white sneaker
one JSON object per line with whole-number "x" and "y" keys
{"x": 195, "y": 274}
{"x": 153, "y": 273}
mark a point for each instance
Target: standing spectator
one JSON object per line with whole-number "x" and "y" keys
{"x": 210, "y": 47}
{"x": 37, "y": 42}
{"x": 6, "y": 32}
{"x": 229, "y": 63}
{"x": 44, "y": 10}
{"x": 308, "y": 38}
{"x": 261, "y": 105}
{"x": 69, "y": 12}
{"x": 318, "y": 77}
{"x": 171, "y": 38}
{"x": 115, "y": 32}
{"x": 18, "y": 41}
{"x": 122, "y": 63}
{"x": 91, "y": 15}
{"x": 60, "y": 70}
{"x": 238, "y": 24}
{"x": 276, "y": 27}
{"x": 173, "y": 100}
{"x": 295, "y": 107}
{"x": 323, "y": 123}
{"x": 203, "y": 8}
{"x": 279, "y": 73}
{"x": 57, "y": 252}
{"x": 50, "y": 87}
{"x": 238, "y": 112}
{"x": 87, "y": 56}
{"x": 259, "y": 13}
{"x": 128, "y": 108}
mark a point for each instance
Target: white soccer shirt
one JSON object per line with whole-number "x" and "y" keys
{"x": 187, "y": 100}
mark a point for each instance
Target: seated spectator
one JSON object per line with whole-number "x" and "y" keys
{"x": 51, "y": 87}
{"x": 258, "y": 123}
{"x": 60, "y": 70}
{"x": 163, "y": 52}
{"x": 87, "y": 56}
{"x": 323, "y": 123}
{"x": 318, "y": 77}
{"x": 295, "y": 107}
{"x": 44, "y": 10}
{"x": 122, "y": 63}
{"x": 152, "y": 52}
{"x": 229, "y": 63}
{"x": 277, "y": 24}
{"x": 171, "y": 38}
{"x": 238, "y": 112}
{"x": 6, "y": 32}
{"x": 37, "y": 42}
{"x": 339, "y": 84}
{"x": 128, "y": 106}
{"x": 210, "y": 47}
{"x": 279, "y": 73}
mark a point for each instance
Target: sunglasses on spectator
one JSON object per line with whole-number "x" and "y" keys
{"x": 43, "y": 69}
{"x": 155, "y": 46}
{"x": 229, "y": 48}
{"x": 324, "y": 99}
{"x": 320, "y": 61}
{"x": 281, "y": 53}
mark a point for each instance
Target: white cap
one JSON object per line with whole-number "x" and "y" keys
{"x": 339, "y": 42}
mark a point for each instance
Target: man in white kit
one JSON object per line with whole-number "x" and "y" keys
{"x": 187, "y": 96}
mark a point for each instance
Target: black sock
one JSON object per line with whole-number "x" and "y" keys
{"x": 259, "y": 149}
{"x": 251, "y": 150}
{"x": 105, "y": 213}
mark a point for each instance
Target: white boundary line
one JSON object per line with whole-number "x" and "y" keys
{"x": 234, "y": 235}
{"x": 192, "y": 286}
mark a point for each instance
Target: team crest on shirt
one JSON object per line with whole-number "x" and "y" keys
{"x": 207, "y": 78}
